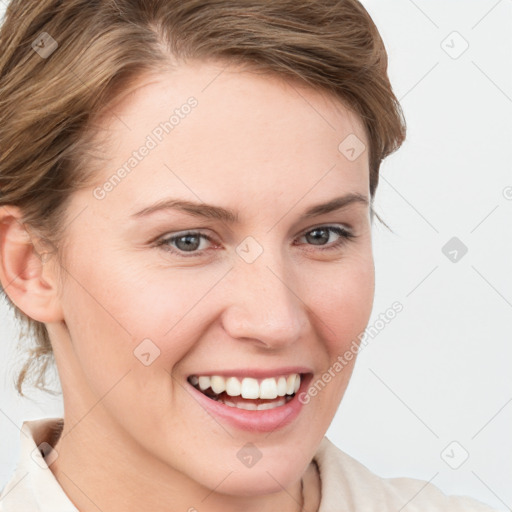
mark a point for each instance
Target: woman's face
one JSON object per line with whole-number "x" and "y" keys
{"x": 272, "y": 293}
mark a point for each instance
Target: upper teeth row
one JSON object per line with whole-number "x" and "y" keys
{"x": 249, "y": 387}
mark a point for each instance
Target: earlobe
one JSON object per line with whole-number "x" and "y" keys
{"x": 25, "y": 273}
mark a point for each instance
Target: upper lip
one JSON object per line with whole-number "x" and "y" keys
{"x": 256, "y": 373}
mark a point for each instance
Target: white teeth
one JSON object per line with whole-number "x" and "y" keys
{"x": 290, "y": 384}
{"x": 233, "y": 386}
{"x": 248, "y": 406}
{"x": 204, "y": 383}
{"x": 253, "y": 407}
{"x": 249, "y": 387}
{"x": 281, "y": 386}
{"x": 268, "y": 388}
{"x": 218, "y": 384}
{"x": 272, "y": 405}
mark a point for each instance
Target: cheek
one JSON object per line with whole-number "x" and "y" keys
{"x": 112, "y": 306}
{"x": 342, "y": 311}
{"x": 356, "y": 298}
{"x": 342, "y": 297}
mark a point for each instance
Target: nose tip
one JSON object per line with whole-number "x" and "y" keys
{"x": 266, "y": 309}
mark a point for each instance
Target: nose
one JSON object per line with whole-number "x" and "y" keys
{"x": 264, "y": 304}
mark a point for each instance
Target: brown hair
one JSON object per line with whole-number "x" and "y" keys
{"x": 47, "y": 103}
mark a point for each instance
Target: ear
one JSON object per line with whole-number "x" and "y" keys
{"x": 27, "y": 275}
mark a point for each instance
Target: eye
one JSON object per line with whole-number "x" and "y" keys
{"x": 185, "y": 242}
{"x": 322, "y": 233}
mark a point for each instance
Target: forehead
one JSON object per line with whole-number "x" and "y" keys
{"x": 209, "y": 129}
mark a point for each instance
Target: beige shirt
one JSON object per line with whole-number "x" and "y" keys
{"x": 345, "y": 484}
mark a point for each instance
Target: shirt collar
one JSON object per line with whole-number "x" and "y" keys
{"x": 33, "y": 486}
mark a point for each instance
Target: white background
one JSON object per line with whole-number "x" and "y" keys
{"x": 440, "y": 371}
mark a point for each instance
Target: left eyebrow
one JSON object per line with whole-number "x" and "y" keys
{"x": 335, "y": 204}
{"x": 209, "y": 211}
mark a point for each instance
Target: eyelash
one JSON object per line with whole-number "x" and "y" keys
{"x": 345, "y": 237}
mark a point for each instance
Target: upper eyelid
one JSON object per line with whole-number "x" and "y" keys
{"x": 349, "y": 231}
{"x": 203, "y": 231}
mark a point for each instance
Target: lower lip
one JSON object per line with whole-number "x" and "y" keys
{"x": 267, "y": 420}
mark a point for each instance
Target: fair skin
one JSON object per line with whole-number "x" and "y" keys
{"x": 134, "y": 437}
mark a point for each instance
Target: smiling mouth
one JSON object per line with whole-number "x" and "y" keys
{"x": 248, "y": 393}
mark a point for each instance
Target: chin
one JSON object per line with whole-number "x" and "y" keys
{"x": 254, "y": 482}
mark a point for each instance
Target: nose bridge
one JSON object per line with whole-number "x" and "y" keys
{"x": 264, "y": 304}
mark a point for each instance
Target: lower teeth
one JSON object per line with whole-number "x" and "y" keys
{"x": 250, "y": 406}
{"x": 247, "y": 403}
